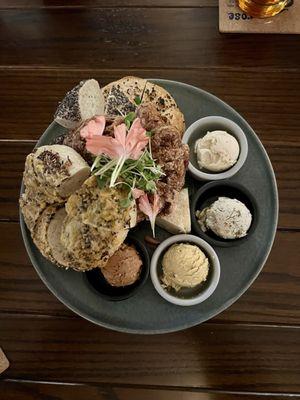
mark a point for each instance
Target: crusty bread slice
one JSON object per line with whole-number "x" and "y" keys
{"x": 60, "y": 169}
{"x": 179, "y": 220}
{"x": 165, "y": 105}
{"x": 84, "y": 101}
{"x": 120, "y": 96}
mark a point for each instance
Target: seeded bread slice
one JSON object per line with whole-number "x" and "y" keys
{"x": 84, "y": 101}
{"x": 51, "y": 174}
{"x": 36, "y": 196}
{"x": 96, "y": 224}
{"x": 31, "y": 207}
{"x": 122, "y": 96}
{"x": 47, "y": 235}
{"x": 39, "y": 234}
{"x": 90, "y": 247}
{"x": 59, "y": 253}
{"x": 60, "y": 169}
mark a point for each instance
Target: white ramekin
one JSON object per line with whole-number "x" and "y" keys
{"x": 214, "y": 270}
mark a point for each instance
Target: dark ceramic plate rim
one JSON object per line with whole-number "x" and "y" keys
{"x": 25, "y": 235}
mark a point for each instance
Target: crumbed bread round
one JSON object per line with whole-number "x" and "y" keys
{"x": 60, "y": 169}
{"x": 120, "y": 95}
{"x": 88, "y": 246}
{"x": 96, "y": 224}
{"x": 31, "y": 208}
{"x": 84, "y": 101}
{"x": 165, "y": 105}
{"x": 120, "y": 99}
{"x": 36, "y": 196}
{"x": 39, "y": 234}
{"x": 51, "y": 174}
{"x": 59, "y": 253}
{"x": 47, "y": 235}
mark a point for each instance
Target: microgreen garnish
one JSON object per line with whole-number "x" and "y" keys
{"x": 141, "y": 173}
{"x": 125, "y": 160}
{"x": 129, "y": 118}
{"x": 137, "y": 100}
{"x": 125, "y": 203}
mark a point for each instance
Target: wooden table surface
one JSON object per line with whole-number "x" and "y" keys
{"x": 249, "y": 351}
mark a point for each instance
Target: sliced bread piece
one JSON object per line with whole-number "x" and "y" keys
{"x": 82, "y": 102}
{"x": 179, "y": 220}
{"x": 124, "y": 95}
{"x": 165, "y": 105}
{"x": 39, "y": 234}
{"x": 60, "y": 169}
{"x": 36, "y": 196}
{"x": 90, "y": 247}
{"x": 58, "y": 252}
{"x": 96, "y": 224}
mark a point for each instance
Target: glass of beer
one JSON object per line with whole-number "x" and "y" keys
{"x": 262, "y": 8}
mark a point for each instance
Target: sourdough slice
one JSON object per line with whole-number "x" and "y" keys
{"x": 165, "y": 105}
{"x": 120, "y": 96}
{"x": 82, "y": 102}
{"x": 179, "y": 220}
{"x": 60, "y": 169}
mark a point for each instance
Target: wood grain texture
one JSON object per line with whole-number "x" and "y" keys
{"x": 148, "y": 394}
{"x": 13, "y": 154}
{"x": 40, "y": 391}
{"x": 250, "y": 351}
{"x": 209, "y": 356}
{"x": 273, "y": 298}
{"x": 46, "y": 391}
{"x": 16, "y": 4}
{"x": 269, "y": 101}
{"x": 126, "y": 38}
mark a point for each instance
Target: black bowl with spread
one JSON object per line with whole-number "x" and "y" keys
{"x": 99, "y": 284}
{"x": 208, "y": 194}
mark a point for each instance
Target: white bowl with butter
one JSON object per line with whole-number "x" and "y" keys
{"x": 218, "y": 148}
{"x": 185, "y": 270}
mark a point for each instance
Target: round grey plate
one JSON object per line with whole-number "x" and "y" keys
{"x": 147, "y": 312}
